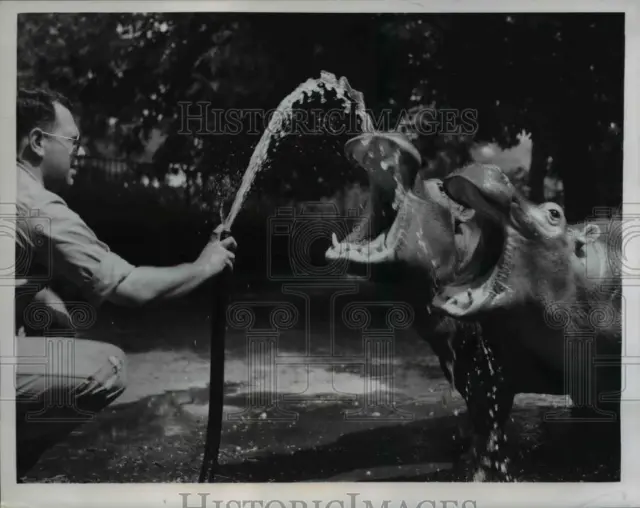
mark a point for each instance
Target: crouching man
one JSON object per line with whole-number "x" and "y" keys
{"x": 63, "y": 381}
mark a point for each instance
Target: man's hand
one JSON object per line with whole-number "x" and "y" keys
{"x": 146, "y": 284}
{"x": 217, "y": 254}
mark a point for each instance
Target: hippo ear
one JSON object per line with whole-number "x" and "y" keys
{"x": 589, "y": 234}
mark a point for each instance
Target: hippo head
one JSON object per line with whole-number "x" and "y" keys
{"x": 410, "y": 222}
{"x": 540, "y": 254}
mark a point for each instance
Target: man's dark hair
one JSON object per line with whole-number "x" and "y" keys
{"x": 35, "y": 108}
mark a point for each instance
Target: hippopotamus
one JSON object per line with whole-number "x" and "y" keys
{"x": 426, "y": 239}
{"x": 491, "y": 274}
{"x": 552, "y": 279}
{"x": 551, "y": 301}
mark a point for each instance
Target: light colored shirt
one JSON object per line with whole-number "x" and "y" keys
{"x": 52, "y": 241}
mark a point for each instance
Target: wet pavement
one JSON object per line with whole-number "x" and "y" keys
{"x": 310, "y": 395}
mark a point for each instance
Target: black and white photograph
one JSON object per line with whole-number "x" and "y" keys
{"x": 283, "y": 247}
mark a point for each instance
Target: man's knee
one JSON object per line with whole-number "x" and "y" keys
{"x": 106, "y": 372}
{"x": 69, "y": 365}
{"x": 64, "y": 399}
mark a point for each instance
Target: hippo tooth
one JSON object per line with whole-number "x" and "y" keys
{"x": 334, "y": 240}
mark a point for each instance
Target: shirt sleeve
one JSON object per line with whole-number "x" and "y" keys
{"x": 73, "y": 252}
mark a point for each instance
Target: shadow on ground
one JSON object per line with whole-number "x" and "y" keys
{"x": 315, "y": 424}
{"x": 160, "y": 439}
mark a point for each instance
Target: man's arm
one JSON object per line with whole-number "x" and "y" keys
{"x": 146, "y": 284}
{"x": 75, "y": 254}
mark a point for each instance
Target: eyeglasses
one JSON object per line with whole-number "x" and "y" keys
{"x": 74, "y": 147}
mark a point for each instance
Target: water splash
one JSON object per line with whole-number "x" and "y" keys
{"x": 275, "y": 130}
{"x": 496, "y": 434}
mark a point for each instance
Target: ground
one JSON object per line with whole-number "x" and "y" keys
{"x": 287, "y": 419}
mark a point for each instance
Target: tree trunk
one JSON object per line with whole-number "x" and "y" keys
{"x": 544, "y": 139}
{"x": 538, "y": 170}
{"x": 579, "y": 177}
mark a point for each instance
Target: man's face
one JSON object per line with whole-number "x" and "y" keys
{"x": 58, "y": 152}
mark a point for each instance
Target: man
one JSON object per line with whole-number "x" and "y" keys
{"x": 62, "y": 382}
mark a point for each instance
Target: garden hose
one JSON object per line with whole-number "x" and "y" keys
{"x": 220, "y": 297}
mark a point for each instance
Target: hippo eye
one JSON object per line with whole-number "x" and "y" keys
{"x": 555, "y": 215}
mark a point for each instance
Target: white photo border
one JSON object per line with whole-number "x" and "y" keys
{"x": 624, "y": 493}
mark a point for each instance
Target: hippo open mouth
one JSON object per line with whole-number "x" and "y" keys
{"x": 376, "y": 237}
{"x": 391, "y": 163}
{"x": 483, "y": 285}
{"x": 415, "y": 223}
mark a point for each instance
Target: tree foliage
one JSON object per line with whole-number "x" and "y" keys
{"x": 559, "y": 77}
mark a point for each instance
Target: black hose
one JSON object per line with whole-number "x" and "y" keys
{"x": 221, "y": 288}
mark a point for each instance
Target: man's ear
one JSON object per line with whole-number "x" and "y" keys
{"x": 36, "y": 139}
